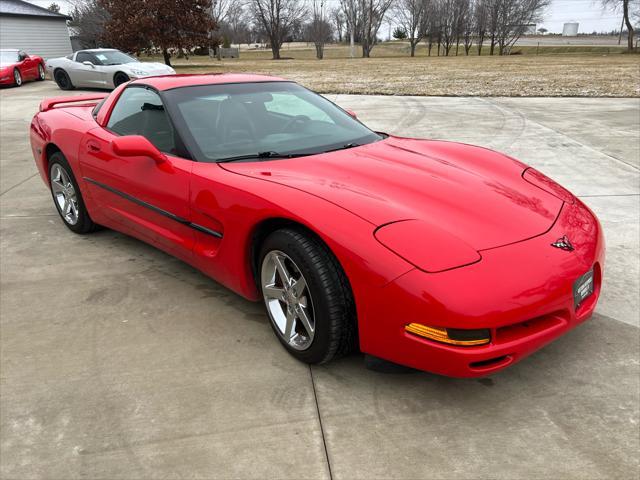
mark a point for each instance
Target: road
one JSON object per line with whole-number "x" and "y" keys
{"x": 118, "y": 361}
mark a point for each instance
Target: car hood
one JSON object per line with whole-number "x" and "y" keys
{"x": 149, "y": 68}
{"x": 474, "y": 194}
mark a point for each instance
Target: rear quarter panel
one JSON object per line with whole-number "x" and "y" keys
{"x": 57, "y": 129}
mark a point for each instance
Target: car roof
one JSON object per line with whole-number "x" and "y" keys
{"x": 168, "y": 82}
{"x": 98, "y": 50}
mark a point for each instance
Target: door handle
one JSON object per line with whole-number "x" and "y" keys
{"x": 93, "y": 147}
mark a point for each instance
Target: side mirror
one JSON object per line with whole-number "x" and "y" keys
{"x": 351, "y": 113}
{"x": 88, "y": 63}
{"x": 137, "y": 146}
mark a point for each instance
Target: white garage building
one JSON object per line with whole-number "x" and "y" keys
{"x": 33, "y": 29}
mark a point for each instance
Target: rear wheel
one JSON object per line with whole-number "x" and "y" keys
{"x": 62, "y": 79}
{"x": 41, "y": 74}
{"x": 120, "y": 78}
{"x": 307, "y": 296}
{"x": 67, "y": 197}
{"x": 17, "y": 78}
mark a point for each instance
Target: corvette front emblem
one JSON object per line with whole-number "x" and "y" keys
{"x": 563, "y": 244}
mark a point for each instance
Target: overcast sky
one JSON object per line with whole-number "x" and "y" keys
{"x": 588, "y": 13}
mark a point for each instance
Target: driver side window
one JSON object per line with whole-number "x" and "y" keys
{"x": 140, "y": 111}
{"x": 85, "y": 57}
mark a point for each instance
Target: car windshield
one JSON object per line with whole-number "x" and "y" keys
{"x": 113, "y": 57}
{"x": 8, "y": 57}
{"x": 249, "y": 121}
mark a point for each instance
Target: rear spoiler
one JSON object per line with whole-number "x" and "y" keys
{"x": 78, "y": 100}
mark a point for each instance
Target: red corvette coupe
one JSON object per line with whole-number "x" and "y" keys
{"x": 440, "y": 256}
{"x": 17, "y": 66}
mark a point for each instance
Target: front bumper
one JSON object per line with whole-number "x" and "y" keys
{"x": 7, "y": 78}
{"x": 522, "y": 292}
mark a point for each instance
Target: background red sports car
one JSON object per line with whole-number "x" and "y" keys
{"x": 17, "y": 66}
{"x": 441, "y": 256}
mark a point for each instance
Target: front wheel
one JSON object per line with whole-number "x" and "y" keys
{"x": 41, "y": 73}
{"x": 120, "y": 78}
{"x": 67, "y": 197}
{"x": 62, "y": 79}
{"x": 17, "y": 78}
{"x": 307, "y": 296}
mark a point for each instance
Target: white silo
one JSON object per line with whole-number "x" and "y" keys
{"x": 570, "y": 29}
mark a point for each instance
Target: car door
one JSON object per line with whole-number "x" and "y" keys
{"x": 28, "y": 67}
{"x": 89, "y": 74}
{"x": 150, "y": 199}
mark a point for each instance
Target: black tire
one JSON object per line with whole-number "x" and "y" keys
{"x": 41, "y": 72}
{"x": 17, "y": 78}
{"x": 120, "y": 78}
{"x": 333, "y": 304}
{"x": 84, "y": 223}
{"x": 62, "y": 79}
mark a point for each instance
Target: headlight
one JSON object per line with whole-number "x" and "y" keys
{"x": 426, "y": 246}
{"x": 540, "y": 180}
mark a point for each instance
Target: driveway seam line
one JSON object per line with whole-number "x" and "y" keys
{"x": 612, "y": 195}
{"x": 18, "y": 184}
{"x": 324, "y": 441}
{"x": 6, "y": 217}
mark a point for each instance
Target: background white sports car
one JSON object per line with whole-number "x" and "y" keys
{"x": 101, "y": 68}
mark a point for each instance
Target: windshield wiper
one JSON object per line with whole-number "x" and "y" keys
{"x": 262, "y": 156}
{"x": 343, "y": 147}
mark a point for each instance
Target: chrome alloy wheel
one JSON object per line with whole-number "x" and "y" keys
{"x": 17, "y": 77}
{"x": 64, "y": 194}
{"x": 41, "y": 74}
{"x": 288, "y": 300}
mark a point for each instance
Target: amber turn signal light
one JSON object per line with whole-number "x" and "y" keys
{"x": 450, "y": 336}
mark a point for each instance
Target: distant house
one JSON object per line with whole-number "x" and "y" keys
{"x": 33, "y": 29}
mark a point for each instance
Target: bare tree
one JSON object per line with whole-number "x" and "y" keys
{"x": 353, "y": 20}
{"x": 337, "y": 17}
{"x": 514, "y": 17}
{"x": 373, "y": 12}
{"x": 431, "y": 26}
{"x": 468, "y": 28}
{"x": 319, "y": 29}
{"x": 480, "y": 17}
{"x": 493, "y": 13}
{"x": 219, "y": 10}
{"x": 89, "y": 18}
{"x": 446, "y": 25}
{"x": 629, "y": 9}
{"x": 277, "y": 18}
{"x": 411, "y": 15}
{"x": 460, "y": 19}
{"x": 235, "y": 25}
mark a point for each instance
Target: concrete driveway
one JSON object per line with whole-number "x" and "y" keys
{"x": 118, "y": 361}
